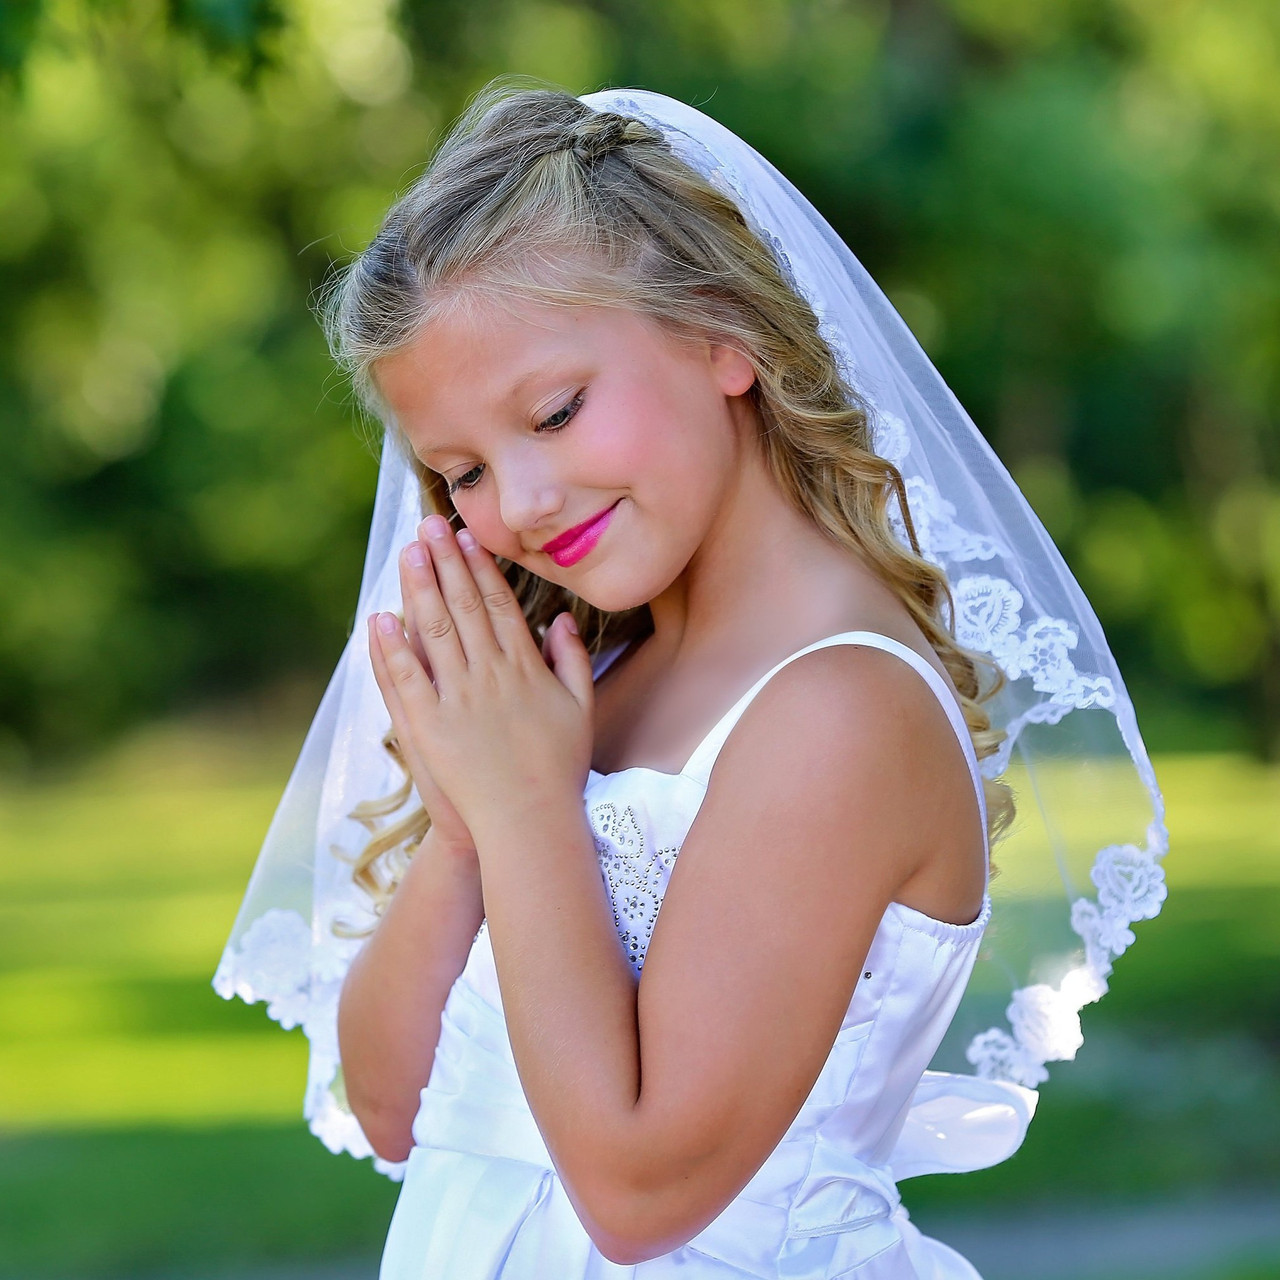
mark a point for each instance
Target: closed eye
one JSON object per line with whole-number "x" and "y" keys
{"x": 462, "y": 482}
{"x": 561, "y": 416}
{"x": 555, "y": 422}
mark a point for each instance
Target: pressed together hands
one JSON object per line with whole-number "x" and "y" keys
{"x": 497, "y": 735}
{"x": 497, "y": 738}
{"x": 490, "y": 728}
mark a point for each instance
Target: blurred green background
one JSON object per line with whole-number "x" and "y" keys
{"x": 1075, "y": 204}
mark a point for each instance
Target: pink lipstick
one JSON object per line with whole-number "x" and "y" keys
{"x": 570, "y": 546}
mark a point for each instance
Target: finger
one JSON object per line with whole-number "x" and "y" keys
{"x": 570, "y": 660}
{"x": 410, "y": 618}
{"x": 400, "y": 675}
{"x": 386, "y": 686}
{"x": 401, "y": 723}
{"x": 433, "y": 622}
{"x": 391, "y": 696}
{"x": 506, "y": 617}
{"x": 462, "y": 596}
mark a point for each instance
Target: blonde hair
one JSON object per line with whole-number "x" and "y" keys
{"x": 536, "y": 195}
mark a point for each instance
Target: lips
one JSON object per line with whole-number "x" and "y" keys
{"x": 573, "y": 544}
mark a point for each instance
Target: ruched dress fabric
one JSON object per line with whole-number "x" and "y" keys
{"x": 481, "y": 1199}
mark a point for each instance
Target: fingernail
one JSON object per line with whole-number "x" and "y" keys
{"x": 436, "y": 527}
{"x": 415, "y": 555}
{"x": 387, "y": 623}
{"x": 571, "y": 626}
{"x": 467, "y": 540}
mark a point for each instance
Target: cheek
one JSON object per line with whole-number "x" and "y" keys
{"x": 481, "y": 515}
{"x": 678, "y": 468}
{"x": 659, "y": 438}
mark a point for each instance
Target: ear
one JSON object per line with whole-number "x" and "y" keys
{"x": 734, "y": 373}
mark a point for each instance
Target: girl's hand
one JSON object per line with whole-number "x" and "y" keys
{"x": 448, "y": 831}
{"x": 497, "y": 729}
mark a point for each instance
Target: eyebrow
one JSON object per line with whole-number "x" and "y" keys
{"x": 516, "y": 387}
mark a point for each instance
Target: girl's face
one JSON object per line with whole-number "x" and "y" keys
{"x": 544, "y": 419}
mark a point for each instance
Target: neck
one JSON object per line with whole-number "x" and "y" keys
{"x": 764, "y": 575}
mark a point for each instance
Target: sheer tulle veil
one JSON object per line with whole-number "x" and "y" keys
{"x": 1082, "y": 863}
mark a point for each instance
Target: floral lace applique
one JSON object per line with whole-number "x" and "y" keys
{"x": 299, "y": 973}
{"x": 272, "y": 963}
{"x": 635, "y": 880}
{"x": 1044, "y": 1022}
{"x": 889, "y": 432}
{"x": 937, "y": 531}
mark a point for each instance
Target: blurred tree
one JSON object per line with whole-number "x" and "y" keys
{"x": 1072, "y": 202}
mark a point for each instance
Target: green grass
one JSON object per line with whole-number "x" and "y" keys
{"x": 117, "y": 890}
{"x": 165, "y": 1124}
{"x": 165, "y": 1202}
{"x": 1247, "y": 1264}
{"x": 1263, "y": 1268}
{"x": 147, "y": 1127}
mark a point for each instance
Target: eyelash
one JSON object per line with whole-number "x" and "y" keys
{"x": 453, "y": 486}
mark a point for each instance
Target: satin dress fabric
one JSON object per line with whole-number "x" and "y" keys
{"x": 481, "y": 1199}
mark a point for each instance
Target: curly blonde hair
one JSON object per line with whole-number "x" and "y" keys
{"x": 534, "y": 194}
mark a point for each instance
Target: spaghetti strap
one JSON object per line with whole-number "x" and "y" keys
{"x": 704, "y": 756}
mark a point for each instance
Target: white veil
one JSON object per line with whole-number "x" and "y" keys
{"x": 1083, "y": 860}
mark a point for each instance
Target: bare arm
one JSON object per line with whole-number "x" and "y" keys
{"x": 395, "y": 991}
{"x": 658, "y": 1104}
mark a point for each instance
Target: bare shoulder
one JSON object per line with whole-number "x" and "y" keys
{"x": 850, "y": 685}
{"x": 842, "y": 787}
{"x": 854, "y": 729}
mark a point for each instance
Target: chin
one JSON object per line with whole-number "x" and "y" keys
{"x": 615, "y": 591}
{"x": 612, "y": 596}
{"x": 615, "y": 583}
{"x": 612, "y": 599}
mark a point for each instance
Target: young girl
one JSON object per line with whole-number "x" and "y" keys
{"x": 695, "y": 694}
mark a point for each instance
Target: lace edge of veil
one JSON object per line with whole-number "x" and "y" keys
{"x": 297, "y": 969}
{"x": 1043, "y": 1023}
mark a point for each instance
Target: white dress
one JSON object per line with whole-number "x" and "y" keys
{"x": 481, "y": 1199}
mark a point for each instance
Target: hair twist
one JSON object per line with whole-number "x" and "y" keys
{"x": 602, "y": 132}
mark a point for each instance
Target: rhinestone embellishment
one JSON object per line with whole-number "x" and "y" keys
{"x": 635, "y": 879}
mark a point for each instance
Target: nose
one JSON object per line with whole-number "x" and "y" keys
{"x": 529, "y": 497}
